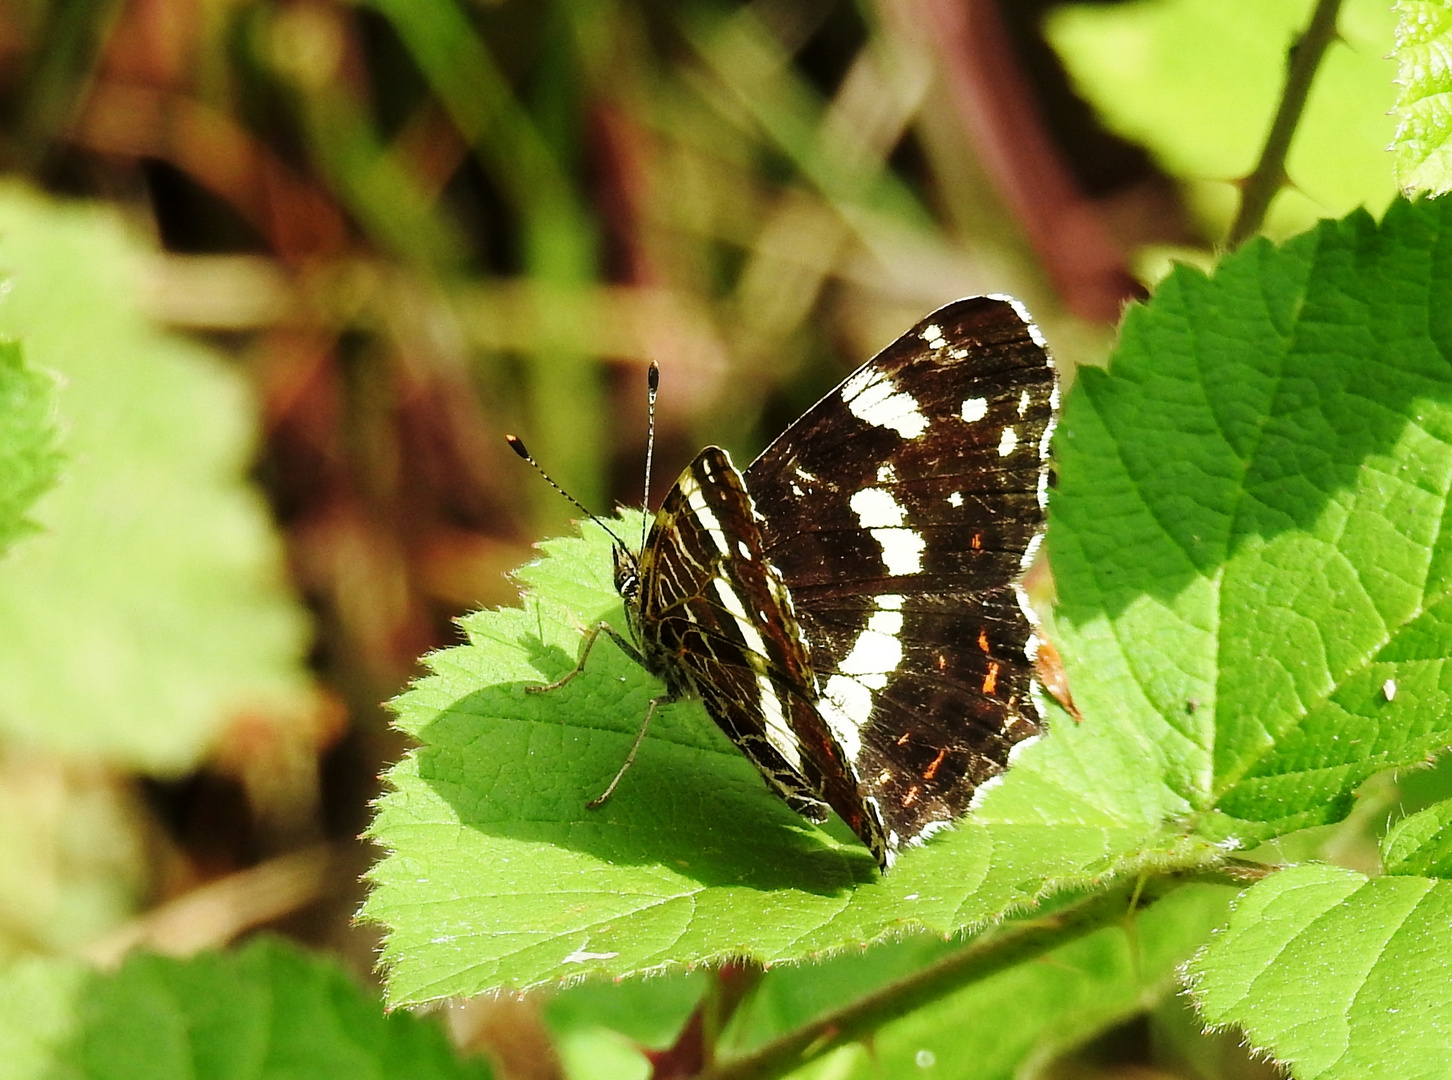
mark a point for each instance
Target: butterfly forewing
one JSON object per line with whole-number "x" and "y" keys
{"x": 900, "y": 511}
{"x": 715, "y": 620}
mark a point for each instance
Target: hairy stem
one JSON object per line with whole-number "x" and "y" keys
{"x": 994, "y": 951}
{"x": 1269, "y": 175}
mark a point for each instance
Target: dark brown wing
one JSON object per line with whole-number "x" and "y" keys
{"x": 901, "y": 510}
{"x": 717, "y": 621}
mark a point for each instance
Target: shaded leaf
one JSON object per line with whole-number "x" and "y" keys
{"x": 267, "y": 1010}
{"x": 1019, "y": 1021}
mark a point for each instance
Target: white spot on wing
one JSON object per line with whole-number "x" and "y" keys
{"x": 975, "y": 409}
{"x": 798, "y": 492}
{"x": 846, "y": 702}
{"x": 1023, "y": 402}
{"x": 876, "y": 508}
{"x": 902, "y": 550}
{"x": 886, "y": 474}
{"x": 732, "y": 603}
{"x": 933, "y": 335}
{"x": 884, "y": 517}
{"x": 696, "y": 500}
{"x": 870, "y": 397}
{"x": 877, "y": 651}
{"x": 1007, "y": 442}
{"x": 778, "y": 731}
{"x": 955, "y": 499}
{"x": 741, "y": 547}
{"x": 845, "y": 705}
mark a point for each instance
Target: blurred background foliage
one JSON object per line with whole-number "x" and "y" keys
{"x": 334, "y": 250}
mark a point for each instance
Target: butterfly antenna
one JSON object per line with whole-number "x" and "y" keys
{"x": 652, "y": 382}
{"x": 517, "y": 446}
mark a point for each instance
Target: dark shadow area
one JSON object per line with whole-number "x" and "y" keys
{"x": 520, "y": 765}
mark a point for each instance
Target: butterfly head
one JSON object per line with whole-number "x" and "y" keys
{"x": 627, "y": 575}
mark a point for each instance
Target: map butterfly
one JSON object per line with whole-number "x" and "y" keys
{"x": 849, "y": 609}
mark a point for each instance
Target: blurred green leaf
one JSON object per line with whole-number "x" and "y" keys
{"x": 649, "y": 1011}
{"x": 1336, "y": 975}
{"x": 1247, "y": 537}
{"x": 74, "y": 854}
{"x": 38, "y": 1005}
{"x": 1041, "y": 1010}
{"x": 1421, "y": 844}
{"x": 497, "y": 874}
{"x": 1423, "y": 145}
{"x": 29, "y": 462}
{"x": 1197, "y": 81}
{"x": 266, "y": 1010}
{"x": 151, "y": 611}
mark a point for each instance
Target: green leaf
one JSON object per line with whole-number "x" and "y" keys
{"x": 75, "y": 851}
{"x": 1248, "y": 535}
{"x": 1421, "y": 844}
{"x": 151, "y": 610}
{"x": 28, "y": 459}
{"x": 267, "y": 1010}
{"x": 1041, "y": 1010}
{"x": 650, "y": 1012}
{"x": 497, "y": 874}
{"x": 1197, "y": 82}
{"x": 1336, "y": 975}
{"x": 38, "y": 1002}
{"x": 1423, "y": 143}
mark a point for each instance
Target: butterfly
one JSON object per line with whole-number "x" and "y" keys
{"x": 849, "y": 608}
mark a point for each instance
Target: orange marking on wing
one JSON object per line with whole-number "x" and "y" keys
{"x": 932, "y": 770}
{"x": 977, "y": 541}
{"x": 990, "y": 681}
{"x": 911, "y": 796}
{"x": 904, "y": 737}
{"x": 942, "y": 662}
{"x": 983, "y": 639}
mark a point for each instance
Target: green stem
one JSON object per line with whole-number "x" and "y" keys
{"x": 1269, "y": 175}
{"x": 992, "y": 952}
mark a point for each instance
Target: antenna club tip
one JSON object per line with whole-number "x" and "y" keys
{"x": 652, "y": 377}
{"x": 517, "y": 446}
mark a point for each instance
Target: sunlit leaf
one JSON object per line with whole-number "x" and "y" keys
{"x": 1423, "y": 144}
{"x": 499, "y": 875}
{"x": 1247, "y": 536}
{"x": 1337, "y": 975}
{"x": 1197, "y": 82}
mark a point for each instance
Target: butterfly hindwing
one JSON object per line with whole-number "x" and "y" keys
{"x": 900, "y": 511}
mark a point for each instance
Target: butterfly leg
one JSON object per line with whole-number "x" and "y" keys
{"x": 663, "y": 699}
{"x": 590, "y": 637}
